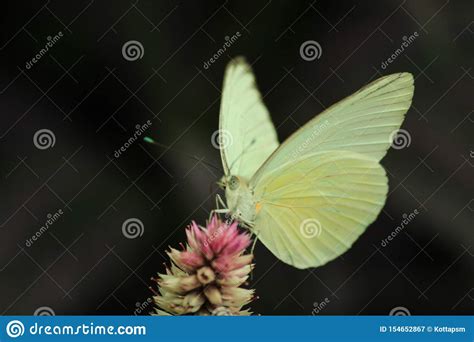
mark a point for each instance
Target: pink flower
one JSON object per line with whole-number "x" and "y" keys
{"x": 205, "y": 278}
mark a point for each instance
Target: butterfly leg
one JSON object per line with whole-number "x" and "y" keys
{"x": 255, "y": 235}
{"x": 220, "y": 201}
{"x": 254, "y": 241}
{"x": 219, "y": 210}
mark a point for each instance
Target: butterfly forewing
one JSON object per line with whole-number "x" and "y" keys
{"x": 364, "y": 122}
{"x": 246, "y": 131}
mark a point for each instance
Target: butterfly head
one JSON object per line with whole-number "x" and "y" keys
{"x": 229, "y": 183}
{"x": 233, "y": 183}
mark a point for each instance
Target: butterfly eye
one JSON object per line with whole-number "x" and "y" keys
{"x": 234, "y": 183}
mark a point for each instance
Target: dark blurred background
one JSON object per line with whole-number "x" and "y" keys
{"x": 90, "y": 98}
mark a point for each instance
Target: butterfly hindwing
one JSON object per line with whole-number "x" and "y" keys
{"x": 313, "y": 209}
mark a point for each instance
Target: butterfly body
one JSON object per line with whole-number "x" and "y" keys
{"x": 240, "y": 200}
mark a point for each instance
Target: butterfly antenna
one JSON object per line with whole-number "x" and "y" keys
{"x": 153, "y": 142}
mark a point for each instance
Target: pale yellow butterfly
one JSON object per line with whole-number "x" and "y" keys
{"x": 311, "y": 197}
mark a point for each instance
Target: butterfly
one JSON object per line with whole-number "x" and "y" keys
{"x": 309, "y": 198}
